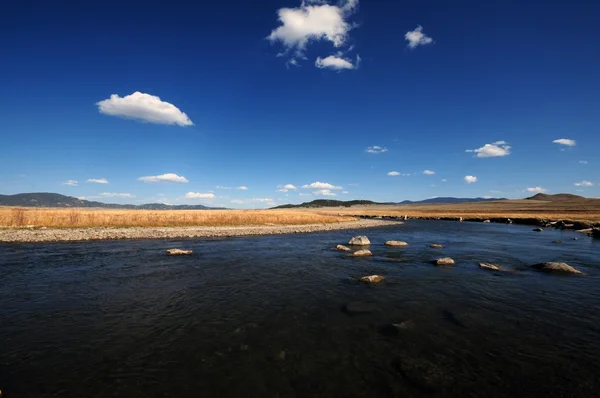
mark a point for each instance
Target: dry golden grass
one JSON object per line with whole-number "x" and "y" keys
{"x": 85, "y": 218}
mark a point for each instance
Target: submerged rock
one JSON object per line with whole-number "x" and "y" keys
{"x": 394, "y": 329}
{"x": 396, "y": 243}
{"x": 343, "y": 248}
{"x": 492, "y": 267}
{"x": 178, "y": 252}
{"x": 444, "y": 262}
{"x": 361, "y": 253}
{"x": 537, "y": 230}
{"x": 557, "y": 241}
{"x": 436, "y": 246}
{"x": 556, "y": 267}
{"x": 360, "y": 241}
{"x": 372, "y": 279}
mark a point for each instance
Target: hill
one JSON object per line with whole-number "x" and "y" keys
{"x": 349, "y": 203}
{"x": 46, "y": 199}
{"x": 448, "y": 200}
{"x": 559, "y": 197}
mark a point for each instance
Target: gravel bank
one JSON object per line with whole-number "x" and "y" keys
{"x": 65, "y": 235}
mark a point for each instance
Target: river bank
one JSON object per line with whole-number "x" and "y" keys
{"x": 30, "y": 235}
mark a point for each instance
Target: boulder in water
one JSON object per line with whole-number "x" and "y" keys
{"x": 436, "y": 246}
{"x": 178, "y": 252}
{"x": 486, "y": 221}
{"x": 444, "y": 262}
{"x": 360, "y": 241}
{"x": 556, "y": 267}
{"x": 489, "y": 266}
{"x": 372, "y": 279}
{"x": 343, "y": 248}
{"x": 396, "y": 243}
{"x": 361, "y": 253}
{"x": 537, "y": 230}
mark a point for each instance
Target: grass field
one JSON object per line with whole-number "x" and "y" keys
{"x": 85, "y": 218}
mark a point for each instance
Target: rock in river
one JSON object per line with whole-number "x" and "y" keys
{"x": 556, "y": 267}
{"x": 395, "y": 243}
{"x": 372, "y": 279}
{"x": 436, "y": 246}
{"x": 178, "y": 252}
{"x": 492, "y": 267}
{"x": 360, "y": 241}
{"x": 343, "y": 248}
{"x": 444, "y": 262}
{"x": 361, "y": 253}
{"x": 537, "y": 230}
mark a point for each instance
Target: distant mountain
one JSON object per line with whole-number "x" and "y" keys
{"x": 349, "y": 203}
{"x": 46, "y": 199}
{"x": 559, "y": 197}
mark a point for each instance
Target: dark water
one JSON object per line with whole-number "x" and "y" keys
{"x": 262, "y": 317}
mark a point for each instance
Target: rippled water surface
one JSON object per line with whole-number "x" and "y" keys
{"x": 265, "y": 316}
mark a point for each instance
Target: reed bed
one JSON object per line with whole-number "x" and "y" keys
{"x": 88, "y": 218}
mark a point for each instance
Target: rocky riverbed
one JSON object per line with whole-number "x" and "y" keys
{"x": 86, "y": 234}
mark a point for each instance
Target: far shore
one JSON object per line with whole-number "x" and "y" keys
{"x": 31, "y": 235}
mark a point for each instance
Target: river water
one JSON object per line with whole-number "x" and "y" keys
{"x": 267, "y": 317}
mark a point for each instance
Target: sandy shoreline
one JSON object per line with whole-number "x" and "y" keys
{"x": 87, "y": 234}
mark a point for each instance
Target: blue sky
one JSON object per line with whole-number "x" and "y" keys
{"x": 250, "y": 104}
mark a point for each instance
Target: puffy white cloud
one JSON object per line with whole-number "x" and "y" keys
{"x": 169, "y": 177}
{"x": 584, "y": 184}
{"x": 97, "y": 180}
{"x": 324, "y": 192}
{"x": 536, "y": 190}
{"x": 320, "y": 185}
{"x": 376, "y": 149}
{"x": 428, "y": 172}
{"x": 336, "y": 62}
{"x": 72, "y": 183}
{"x": 198, "y": 195}
{"x": 470, "y": 179}
{"x": 417, "y": 38}
{"x": 145, "y": 107}
{"x": 313, "y": 21}
{"x": 393, "y": 173}
{"x": 565, "y": 141}
{"x": 498, "y": 148}
{"x": 116, "y": 195}
{"x": 286, "y": 188}
{"x": 242, "y": 188}
{"x": 583, "y": 162}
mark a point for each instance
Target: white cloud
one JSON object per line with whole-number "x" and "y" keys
{"x": 116, "y": 195}
{"x": 565, "y": 141}
{"x": 536, "y": 190}
{"x": 345, "y": 192}
{"x": 429, "y": 172}
{"x": 198, "y": 195}
{"x": 320, "y": 185}
{"x": 583, "y": 162}
{"x": 169, "y": 177}
{"x": 313, "y": 21}
{"x": 222, "y": 187}
{"x": 486, "y": 197}
{"x": 237, "y": 201}
{"x": 72, "y": 183}
{"x": 286, "y": 188}
{"x": 336, "y": 62}
{"x": 97, "y": 180}
{"x": 393, "y": 173}
{"x": 145, "y": 107}
{"x": 323, "y": 192}
{"x": 498, "y": 148}
{"x": 470, "y": 179}
{"x": 242, "y": 188}
{"x": 417, "y": 38}
{"x": 353, "y": 185}
{"x": 305, "y": 194}
{"x": 584, "y": 184}
{"x": 376, "y": 149}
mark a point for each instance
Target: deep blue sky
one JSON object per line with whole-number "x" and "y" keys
{"x": 523, "y": 72}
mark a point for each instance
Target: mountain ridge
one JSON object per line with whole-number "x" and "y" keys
{"x": 349, "y": 203}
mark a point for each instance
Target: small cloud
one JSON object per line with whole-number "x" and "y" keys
{"x": 242, "y": 188}
{"x": 353, "y": 185}
{"x": 345, "y": 192}
{"x": 237, "y": 201}
{"x": 565, "y": 141}
{"x": 583, "y": 162}
{"x": 335, "y": 62}
{"x": 498, "y": 148}
{"x": 393, "y": 173}
{"x": 324, "y": 192}
{"x": 444, "y": 180}
{"x": 536, "y": 190}
{"x": 286, "y": 188}
{"x": 305, "y": 194}
{"x": 71, "y": 183}
{"x": 417, "y": 38}
{"x": 144, "y": 107}
{"x": 116, "y": 195}
{"x": 429, "y": 172}
{"x": 198, "y": 195}
{"x": 169, "y": 177}
{"x": 470, "y": 179}
{"x": 376, "y": 149}
{"x": 222, "y": 187}
{"x": 320, "y": 185}
{"x": 97, "y": 180}
{"x": 584, "y": 184}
